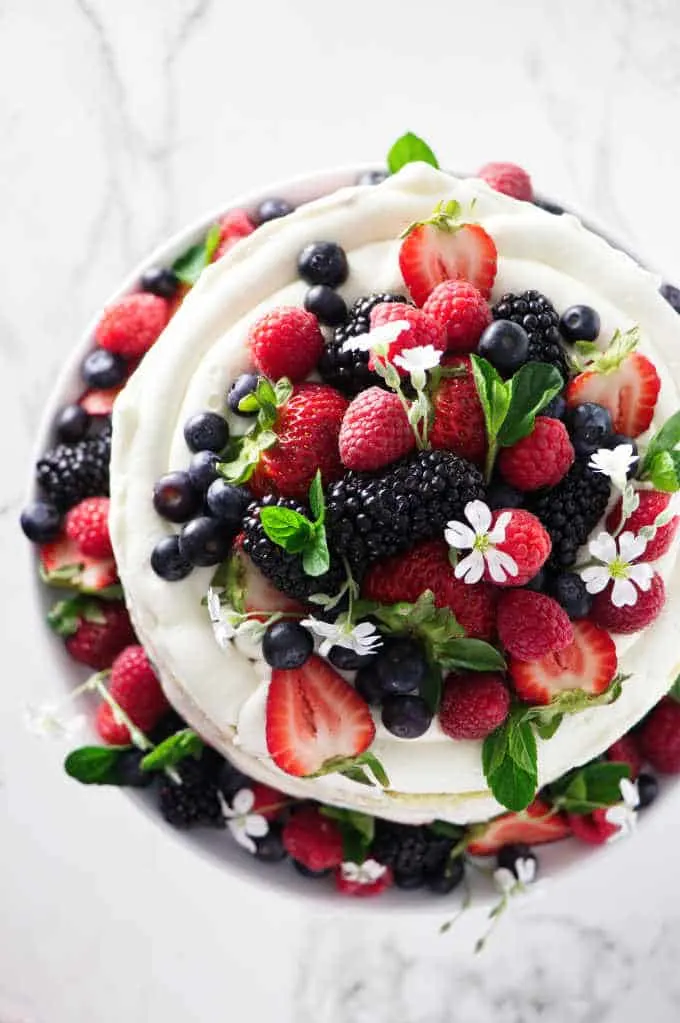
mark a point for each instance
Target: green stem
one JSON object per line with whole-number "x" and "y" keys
{"x": 491, "y": 453}
{"x": 137, "y": 736}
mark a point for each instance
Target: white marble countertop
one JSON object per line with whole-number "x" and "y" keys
{"x": 119, "y": 122}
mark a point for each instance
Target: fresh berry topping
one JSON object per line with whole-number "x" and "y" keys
{"x": 648, "y": 789}
{"x": 168, "y": 562}
{"x": 527, "y": 543}
{"x": 227, "y": 503}
{"x": 203, "y": 470}
{"x": 407, "y": 717}
{"x": 206, "y": 431}
{"x": 569, "y": 590}
{"x": 128, "y": 769}
{"x": 243, "y": 386}
{"x": 71, "y": 424}
{"x": 94, "y": 631}
{"x": 131, "y": 325}
{"x": 345, "y": 659}
{"x": 252, "y": 588}
{"x": 462, "y": 313}
{"x": 502, "y": 495}
{"x": 627, "y": 386}
{"x": 538, "y": 316}
{"x": 363, "y": 880}
{"x": 556, "y": 408}
{"x": 534, "y": 826}
{"x": 422, "y": 329}
{"x": 102, "y": 369}
{"x": 286, "y": 342}
{"x": 134, "y": 686}
{"x": 234, "y": 225}
{"x": 593, "y": 828}
{"x": 630, "y": 617}
{"x": 473, "y": 705}
{"x": 326, "y": 304}
{"x": 313, "y": 715}
{"x": 193, "y": 800}
{"x": 539, "y": 460}
{"x": 459, "y": 424}
{"x": 588, "y": 663}
{"x": 97, "y": 402}
{"x": 40, "y": 522}
{"x": 580, "y": 323}
{"x": 511, "y": 856}
{"x": 368, "y": 685}
{"x": 531, "y": 625}
{"x": 401, "y": 665}
{"x": 313, "y": 840}
{"x": 348, "y": 371}
{"x": 430, "y": 254}
{"x": 590, "y": 426}
{"x": 447, "y": 877}
{"x": 571, "y": 510}
{"x": 323, "y": 263}
{"x": 626, "y": 750}
{"x": 672, "y": 295}
{"x": 539, "y": 582}
{"x": 63, "y": 564}
{"x": 660, "y": 737}
{"x": 70, "y": 472}
{"x": 286, "y": 645}
{"x": 375, "y": 431}
{"x": 549, "y": 206}
{"x": 508, "y": 178}
{"x": 272, "y": 209}
{"x": 175, "y": 498}
{"x": 161, "y": 281}
{"x": 270, "y": 848}
{"x": 205, "y": 541}
{"x": 416, "y": 855}
{"x": 87, "y": 525}
{"x": 505, "y": 345}
{"x": 652, "y": 503}
{"x": 267, "y": 801}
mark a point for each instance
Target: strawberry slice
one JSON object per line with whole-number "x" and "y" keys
{"x": 533, "y": 826}
{"x": 63, "y": 564}
{"x": 99, "y": 402}
{"x": 313, "y": 715}
{"x": 442, "y": 249}
{"x": 588, "y": 663}
{"x": 250, "y": 591}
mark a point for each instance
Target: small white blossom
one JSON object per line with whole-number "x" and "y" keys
{"x": 419, "y": 359}
{"x": 482, "y": 540}
{"x": 623, "y": 815}
{"x": 617, "y": 559}
{"x": 505, "y": 880}
{"x": 367, "y": 872}
{"x": 244, "y": 825}
{"x": 379, "y": 339}
{"x": 362, "y": 638}
{"x": 525, "y": 868}
{"x": 524, "y": 873}
{"x": 229, "y": 624}
{"x": 614, "y": 463}
{"x": 51, "y": 721}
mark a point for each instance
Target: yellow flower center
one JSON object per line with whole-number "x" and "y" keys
{"x": 618, "y": 569}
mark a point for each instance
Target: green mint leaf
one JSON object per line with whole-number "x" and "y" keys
{"x": 94, "y": 765}
{"x": 546, "y": 729}
{"x": 587, "y": 348}
{"x": 674, "y": 691}
{"x": 283, "y": 389}
{"x": 173, "y": 750}
{"x": 592, "y": 787}
{"x": 446, "y": 830}
{"x": 241, "y": 467}
{"x": 375, "y": 767}
{"x": 264, "y": 392}
{"x": 494, "y": 394}
{"x": 357, "y": 829}
{"x": 65, "y": 616}
{"x": 431, "y": 687}
{"x": 522, "y": 745}
{"x": 509, "y": 759}
{"x": 665, "y": 439}
{"x": 249, "y": 403}
{"x": 316, "y": 498}
{"x": 287, "y": 528}
{"x": 531, "y": 388}
{"x": 189, "y": 266}
{"x": 495, "y": 749}
{"x": 664, "y": 471}
{"x": 513, "y": 787}
{"x": 353, "y": 767}
{"x": 409, "y": 149}
{"x": 471, "y": 654}
{"x": 315, "y": 557}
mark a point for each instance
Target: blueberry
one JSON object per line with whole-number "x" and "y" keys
{"x": 175, "y": 498}
{"x": 227, "y": 502}
{"x": 580, "y": 323}
{"x": 505, "y": 344}
{"x": 129, "y": 772}
{"x": 72, "y": 424}
{"x": 672, "y": 295}
{"x": 569, "y": 590}
{"x": 549, "y": 207}
{"x": 323, "y": 263}
{"x": 648, "y": 789}
{"x": 407, "y": 717}
{"x": 203, "y": 469}
{"x": 103, "y": 369}
{"x": 538, "y": 582}
{"x": 409, "y": 880}
{"x": 307, "y": 872}
{"x": 556, "y": 408}
{"x": 270, "y": 848}
{"x": 206, "y": 431}
{"x": 168, "y": 562}
{"x": 161, "y": 281}
{"x": 401, "y": 665}
{"x": 368, "y": 685}
{"x": 447, "y": 877}
{"x": 502, "y": 495}
{"x": 286, "y": 645}
{"x": 508, "y": 855}
{"x": 372, "y": 177}
{"x": 40, "y": 522}
{"x": 272, "y": 209}
{"x": 590, "y": 426}
{"x": 328, "y": 307}
{"x": 348, "y": 660}
{"x": 243, "y": 385}
{"x": 204, "y": 541}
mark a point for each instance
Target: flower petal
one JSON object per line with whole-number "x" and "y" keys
{"x": 629, "y": 792}
{"x": 596, "y": 578}
{"x": 631, "y": 546}
{"x": 603, "y": 547}
{"x": 502, "y": 561}
{"x": 471, "y": 568}
{"x": 642, "y": 575}
{"x": 257, "y": 826}
{"x": 458, "y": 535}
{"x": 623, "y": 593}
{"x": 497, "y": 534}
{"x": 238, "y": 832}
{"x": 243, "y": 801}
{"x": 479, "y": 516}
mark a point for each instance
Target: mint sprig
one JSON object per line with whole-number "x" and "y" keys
{"x": 297, "y": 534}
{"x": 173, "y": 750}
{"x": 661, "y": 462}
{"x": 189, "y": 266}
{"x": 95, "y": 765}
{"x": 592, "y": 787}
{"x": 357, "y": 830}
{"x": 357, "y": 769}
{"x": 243, "y": 453}
{"x": 409, "y": 148}
{"x": 65, "y": 616}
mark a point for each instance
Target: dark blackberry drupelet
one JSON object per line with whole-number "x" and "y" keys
{"x": 68, "y": 473}
{"x": 348, "y": 371}
{"x": 371, "y": 516}
{"x": 285, "y": 570}
{"x": 571, "y": 510}
{"x": 195, "y": 801}
{"x": 414, "y": 853}
{"x": 538, "y": 316}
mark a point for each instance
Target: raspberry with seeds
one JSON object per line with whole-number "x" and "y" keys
{"x": 508, "y": 178}
{"x": 473, "y": 705}
{"x": 134, "y": 686}
{"x": 593, "y": 828}
{"x": 313, "y": 840}
{"x": 131, "y": 325}
{"x": 422, "y": 329}
{"x": 234, "y": 225}
{"x": 375, "y": 431}
{"x": 652, "y": 503}
{"x": 527, "y": 543}
{"x": 541, "y": 459}
{"x": 626, "y": 750}
{"x": 460, "y": 309}
{"x": 531, "y": 625}
{"x": 630, "y": 617}
{"x": 286, "y": 342}
{"x": 87, "y": 525}
{"x": 660, "y": 737}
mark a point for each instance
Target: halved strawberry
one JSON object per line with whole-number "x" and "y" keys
{"x": 534, "y": 826}
{"x": 99, "y": 402}
{"x": 588, "y": 663}
{"x": 313, "y": 715}
{"x": 249, "y": 590}
{"x": 62, "y": 564}
{"x": 443, "y": 249}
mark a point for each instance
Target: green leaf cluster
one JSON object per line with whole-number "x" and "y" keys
{"x": 189, "y": 266}
{"x": 297, "y": 534}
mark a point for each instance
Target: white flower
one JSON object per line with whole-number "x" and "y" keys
{"x": 482, "y": 540}
{"x": 623, "y": 815}
{"x": 525, "y": 868}
{"x": 244, "y": 825}
{"x": 419, "y": 359}
{"x": 367, "y": 872}
{"x": 229, "y": 624}
{"x": 50, "y": 721}
{"x": 362, "y": 638}
{"x": 617, "y": 564}
{"x": 523, "y": 874}
{"x": 614, "y": 463}
{"x": 505, "y": 880}
{"x": 379, "y": 339}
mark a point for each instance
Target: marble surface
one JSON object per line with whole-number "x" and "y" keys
{"x": 121, "y": 121}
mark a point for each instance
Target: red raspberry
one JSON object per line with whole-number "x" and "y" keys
{"x": 631, "y": 618}
{"x": 268, "y": 802}
{"x": 593, "y": 828}
{"x": 507, "y": 178}
{"x": 286, "y": 342}
{"x": 134, "y": 686}
{"x": 94, "y": 631}
{"x": 540, "y": 460}
{"x": 313, "y": 840}
{"x": 531, "y": 625}
{"x": 87, "y": 525}
{"x": 362, "y": 889}
{"x": 234, "y": 225}
{"x": 375, "y": 431}
{"x": 626, "y": 751}
{"x": 132, "y": 324}
{"x": 473, "y": 705}
{"x": 526, "y": 541}
{"x": 423, "y": 329}
{"x": 652, "y": 503}
{"x": 660, "y": 737}
{"x": 461, "y": 311}
{"x": 459, "y": 424}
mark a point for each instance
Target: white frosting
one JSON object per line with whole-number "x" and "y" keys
{"x": 190, "y": 369}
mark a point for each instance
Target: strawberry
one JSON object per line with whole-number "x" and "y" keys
{"x": 134, "y": 686}
{"x": 443, "y": 249}
{"x": 87, "y": 525}
{"x": 473, "y": 705}
{"x": 534, "y": 826}
{"x": 532, "y": 625}
{"x": 375, "y": 430}
{"x": 307, "y": 427}
{"x": 62, "y": 564}
{"x": 652, "y": 503}
{"x": 462, "y": 312}
{"x": 631, "y": 617}
{"x": 350, "y": 880}
{"x": 422, "y": 330}
{"x": 588, "y": 663}
{"x": 626, "y": 750}
{"x": 459, "y": 424}
{"x": 660, "y": 736}
{"x": 508, "y": 178}
{"x": 249, "y": 591}
{"x": 593, "y": 828}
{"x": 268, "y": 802}
{"x": 427, "y": 567}
{"x": 527, "y": 543}
{"x": 99, "y": 402}
{"x": 94, "y": 631}
{"x": 312, "y": 839}
{"x": 286, "y": 342}
{"x": 540, "y": 459}
{"x": 132, "y": 324}
{"x": 313, "y": 715}
{"x": 234, "y": 225}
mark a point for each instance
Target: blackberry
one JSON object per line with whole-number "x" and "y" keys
{"x": 538, "y": 316}
{"x": 570, "y": 511}
{"x": 195, "y": 801}
{"x": 68, "y": 473}
{"x": 413, "y": 853}
{"x": 348, "y": 371}
{"x": 285, "y": 570}
{"x": 371, "y": 516}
